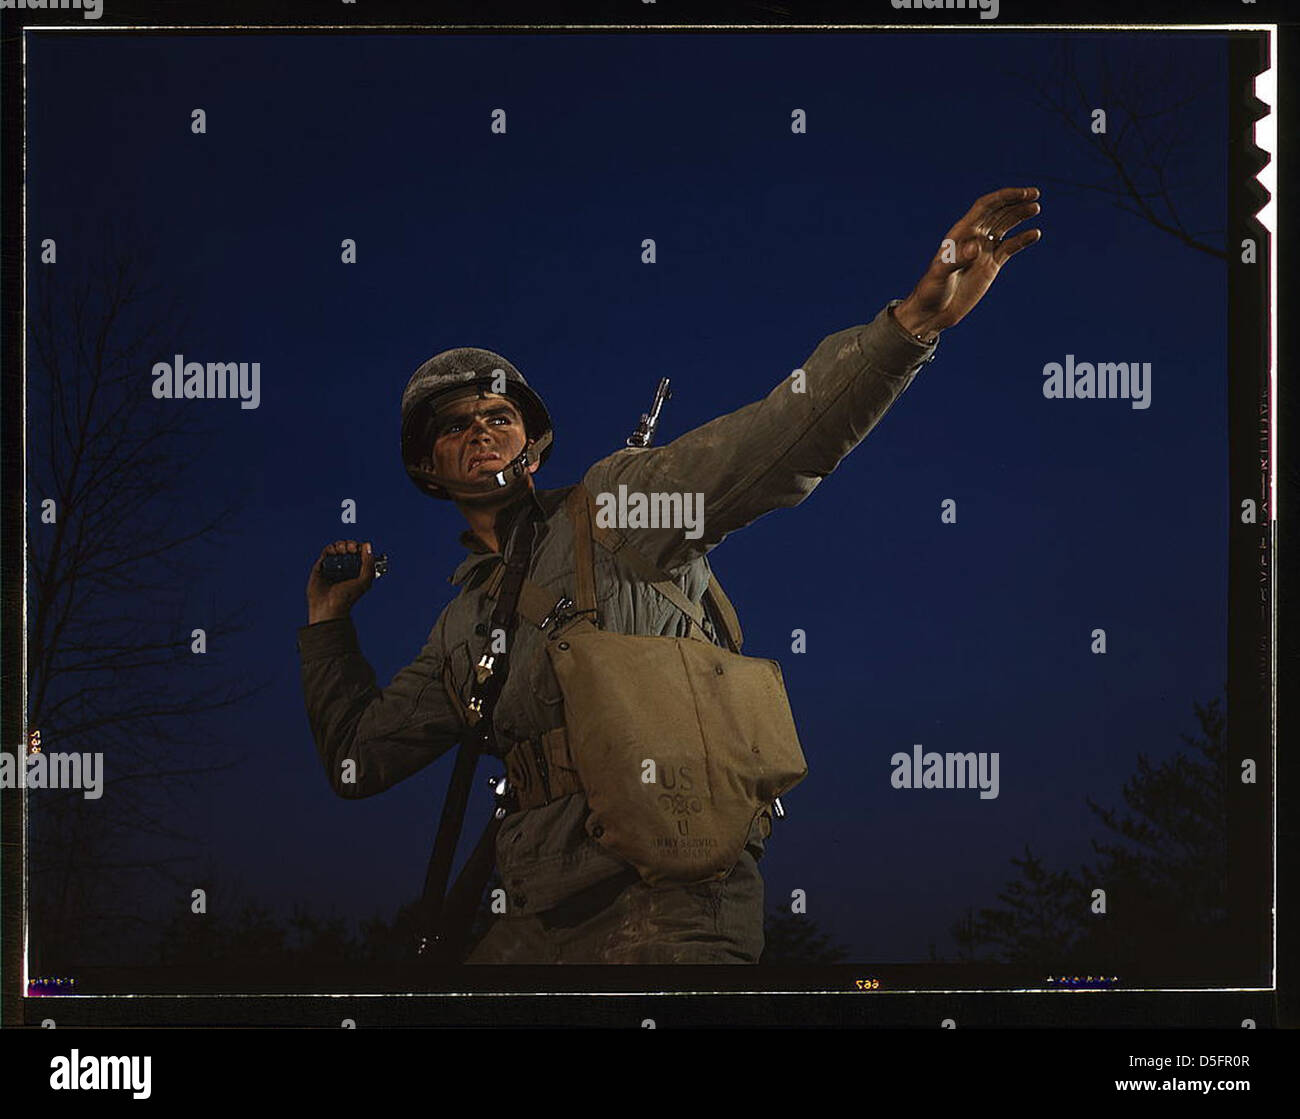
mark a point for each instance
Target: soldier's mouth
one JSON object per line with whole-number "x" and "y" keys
{"x": 478, "y": 460}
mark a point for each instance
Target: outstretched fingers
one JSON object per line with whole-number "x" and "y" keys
{"x": 1008, "y": 218}
{"x": 985, "y": 225}
{"x": 981, "y": 214}
{"x": 1008, "y": 249}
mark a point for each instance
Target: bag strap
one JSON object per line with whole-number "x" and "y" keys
{"x": 671, "y": 591}
{"x": 579, "y": 506}
{"x": 724, "y": 614}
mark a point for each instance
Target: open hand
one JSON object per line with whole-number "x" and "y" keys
{"x": 968, "y": 261}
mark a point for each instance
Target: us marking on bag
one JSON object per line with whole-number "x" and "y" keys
{"x": 714, "y": 720}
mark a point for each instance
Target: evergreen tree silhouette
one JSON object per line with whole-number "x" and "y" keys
{"x": 1163, "y": 872}
{"x": 1166, "y": 876}
{"x": 1039, "y": 925}
{"x": 794, "y": 940}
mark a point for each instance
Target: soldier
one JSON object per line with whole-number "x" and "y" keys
{"x": 466, "y": 415}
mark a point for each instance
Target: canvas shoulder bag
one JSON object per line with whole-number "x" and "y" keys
{"x": 679, "y": 744}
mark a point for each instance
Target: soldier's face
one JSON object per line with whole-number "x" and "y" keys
{"x": 477, "y": 436}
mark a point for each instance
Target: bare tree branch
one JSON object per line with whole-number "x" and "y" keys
{"x": 1138, "y": 157}
{"x": 106, "y": 638}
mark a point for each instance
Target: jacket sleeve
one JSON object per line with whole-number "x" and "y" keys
{"x": 772, "y": 453}
{"x": 388, "y": 734}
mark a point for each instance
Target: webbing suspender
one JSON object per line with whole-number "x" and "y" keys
{"x": 579, "y": 508}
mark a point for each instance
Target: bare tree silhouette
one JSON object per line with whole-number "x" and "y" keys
{"x": 109, "y": 667}
{"x": 236, "y": 929}
{"x": 1136, "y": 162}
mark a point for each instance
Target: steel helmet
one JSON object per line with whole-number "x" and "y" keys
{"x": 453, "y": 371}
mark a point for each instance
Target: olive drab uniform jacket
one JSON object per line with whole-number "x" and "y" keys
{"x": 767, "y": 455}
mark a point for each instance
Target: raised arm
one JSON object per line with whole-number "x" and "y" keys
{"x": 772, "y": 454}
{"x": 386, "y": 734}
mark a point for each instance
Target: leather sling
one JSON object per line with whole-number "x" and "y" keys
{"x": 444, "y": 922}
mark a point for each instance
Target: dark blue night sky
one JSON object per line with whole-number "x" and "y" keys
{"x": 1071, "y": 514}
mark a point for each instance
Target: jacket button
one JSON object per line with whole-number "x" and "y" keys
{"x": 597, "y": 831}
{"x": 718, "y": 669}
{"x": 564, "y": 645}
{"x": 520, "y": 900}
{"x": 480, "y": 630}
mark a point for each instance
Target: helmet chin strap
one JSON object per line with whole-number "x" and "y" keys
{"x": 501, "y": 483}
